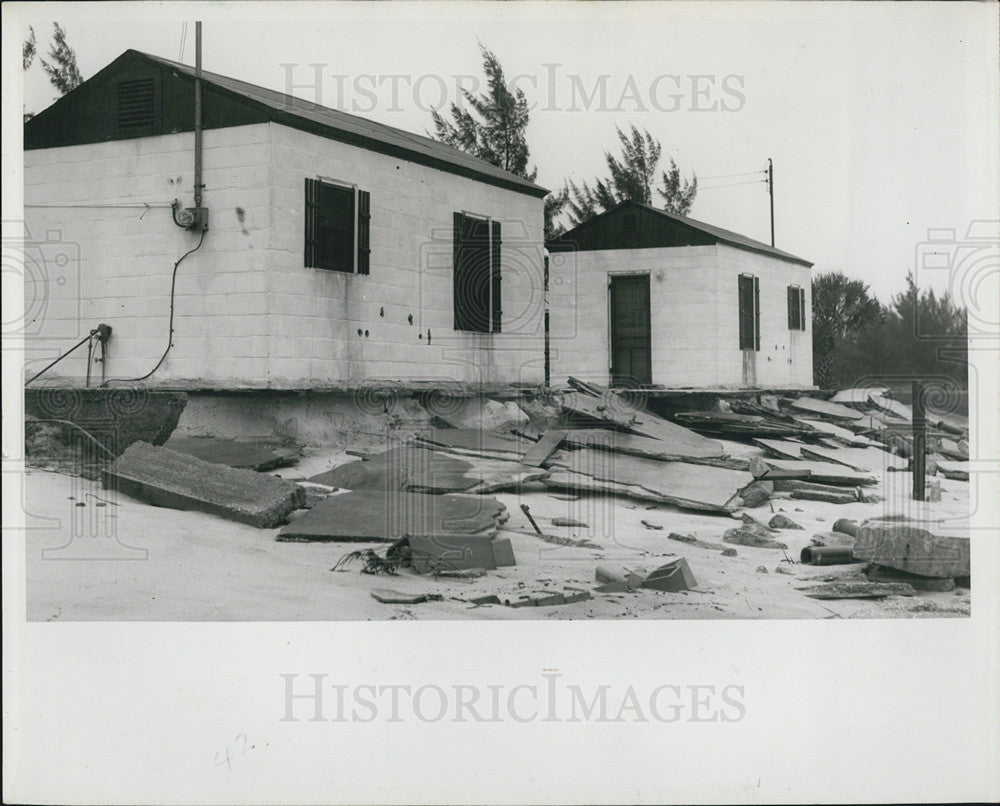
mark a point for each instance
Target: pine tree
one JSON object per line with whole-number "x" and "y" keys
{"x": 62, "y": 70}
{"x": 29, "y": 49}
{"x": 631, "y": 177}
{"x": 496, "y": 132}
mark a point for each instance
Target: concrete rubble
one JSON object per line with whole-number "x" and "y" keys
{"x": 443, "y": 504}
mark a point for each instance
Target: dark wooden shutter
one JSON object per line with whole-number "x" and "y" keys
{"x": 456, "y": 284}
{"x": 802, "y": 309}
{"x": 793, "y": 308}
{"x": 746, "y": 311}
{"x": 495, "y": 276}
{"x": 312, "y": 213}
{"x": 364, "y": 232}
{"x": 756, "y": 313}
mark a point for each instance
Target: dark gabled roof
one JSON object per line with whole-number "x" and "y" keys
{"x": 247, "y": 103}
{"x": 632, "y": 225}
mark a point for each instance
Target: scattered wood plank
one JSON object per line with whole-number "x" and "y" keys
{"x": 165, "y": 478}
{"x": 871, "y": 460}
{"x": 539, "y": 452}
{"x": 827, "y": 409}
{"x": 917, "y": 547}
{"x": 372, "y": 515}
{"x": 729, "y": 424}
{"x": 843, "y": 435}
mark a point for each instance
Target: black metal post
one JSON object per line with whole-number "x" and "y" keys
{"x": 919, "y": 442}
{"x": 770, "y": 192}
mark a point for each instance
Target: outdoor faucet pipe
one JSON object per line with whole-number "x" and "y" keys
{"x": 102, "y": 331}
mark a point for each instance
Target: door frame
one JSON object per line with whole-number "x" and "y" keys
{"x": 628, "y": 273}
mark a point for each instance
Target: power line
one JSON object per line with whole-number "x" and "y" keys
{"x": 184, "y": 32}
{"x": 732, "y": 184}
{"x": 732, "y": 176}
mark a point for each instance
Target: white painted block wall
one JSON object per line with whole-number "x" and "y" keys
{"x": 693, "y": 310}
{"x": 248, "y": 313}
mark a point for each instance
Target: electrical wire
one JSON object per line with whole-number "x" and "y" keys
{"x": 732, "y": 184}
{"x": 170, "y": 335}
{"x": 731, "y": 176}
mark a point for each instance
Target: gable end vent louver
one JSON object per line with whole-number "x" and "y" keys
{"x": 136, "y": 103}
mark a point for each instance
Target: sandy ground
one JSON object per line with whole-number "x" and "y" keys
{"x": 120, "y": 559}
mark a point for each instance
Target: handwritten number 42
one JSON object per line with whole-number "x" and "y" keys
{"x": 241, "y": 747}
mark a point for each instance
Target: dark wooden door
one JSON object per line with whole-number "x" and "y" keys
{"x": 631, "y": 350}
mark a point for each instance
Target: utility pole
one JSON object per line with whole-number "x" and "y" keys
{"x": 770, "y": 192}
{"x": 197, "y": 114}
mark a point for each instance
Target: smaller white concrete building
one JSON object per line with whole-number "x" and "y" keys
{"x": 640, "y": 297}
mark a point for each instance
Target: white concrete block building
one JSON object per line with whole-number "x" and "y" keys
{"x": 338, "y": 251}
{"x": 641, "y": 297}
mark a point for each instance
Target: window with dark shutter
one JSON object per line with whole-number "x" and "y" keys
{"x": 796, "y": 308}
{"x": 136, "y": 103}
{"x": 477, "y": 279}
{"x": 749, "y": 312}
{"x": 337, "y": 227}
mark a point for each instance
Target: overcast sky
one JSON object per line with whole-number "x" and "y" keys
{"x": 881, "y": 119}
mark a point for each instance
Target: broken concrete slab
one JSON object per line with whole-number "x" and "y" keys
{"x": 871, "y": 460}
{"x": 732, "y": 425}
{"x": 375, "y": 515}
{"x": 116, "y": 416}
{"x": 833, "y": 538}
{"x": 752, "y": 535}
{"x": 781, "y": 522}
{"x": 474, "y": 442}
{"x": 672, "y": 577}
{"x": 826, "y": 409}
{"x": 691, "y": 540}
{"x": 757, "y": 493}
{"x": 859, "y": 590}
{"x": 166, "y": 478}
{"x": 589, "y": 409}
{"x": 893, "y": 407}
{"x": 436, "y": 552}
{"x": 618, "y": 580}
{"x": 917, "y": 547}
{"x": 549, "y": 598}
{"x": 825, "y": 497}
{"x": 671, "y": 448}
{"x": 859, "y": 397}
{"x": 539, "y": 452}
{"x": 780, "y": 448}
{"x": 690, "y": 486}
{"x": 477, "y": 413}
{"x": 880, "y": 573}
{"x": 407, "y": 467}
{"x": 246, "y": 454}
{"x": 825, "y": 472}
